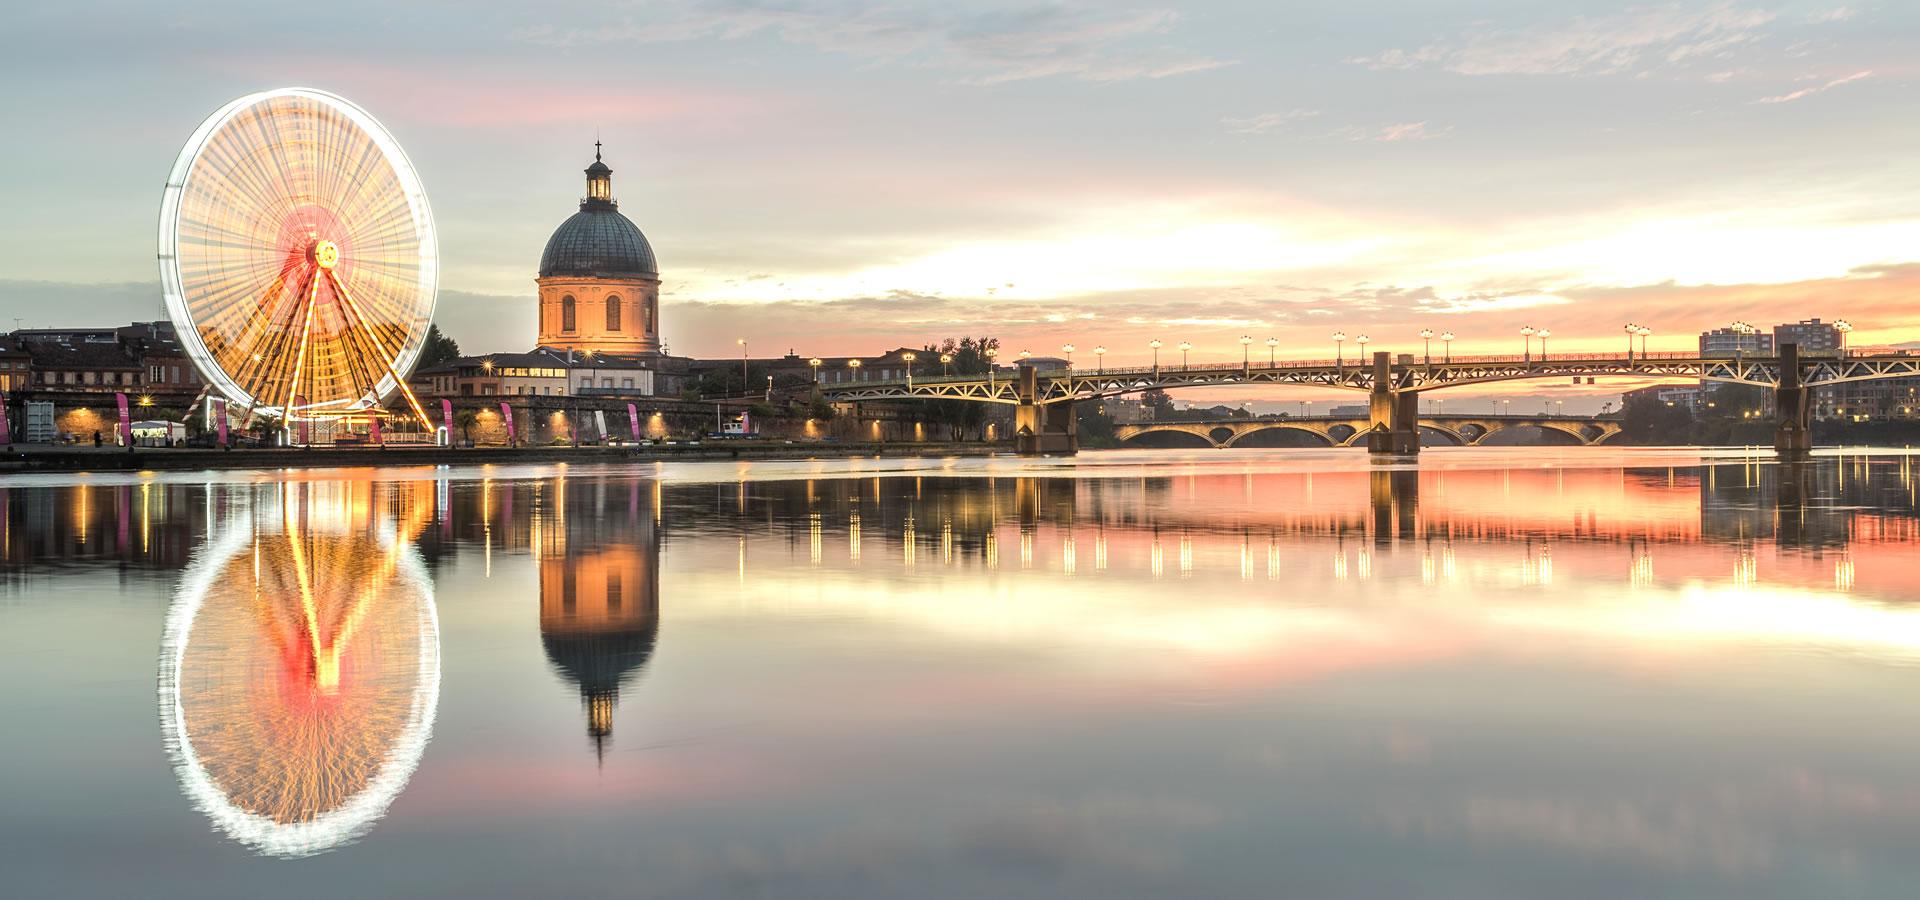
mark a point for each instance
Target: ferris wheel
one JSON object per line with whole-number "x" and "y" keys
{"x": 298, "y": 256}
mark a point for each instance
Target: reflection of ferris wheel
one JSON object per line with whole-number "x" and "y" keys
{"x": 297, "y": 255}
{"x": 300, "y": 673}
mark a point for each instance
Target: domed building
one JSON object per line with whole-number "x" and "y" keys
{"x": 599, "y": 284}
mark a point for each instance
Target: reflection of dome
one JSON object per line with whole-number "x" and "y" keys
{"x": 299, "y": 678}
{"x": 599, "y": 618}
{"x": 599, "y": 662}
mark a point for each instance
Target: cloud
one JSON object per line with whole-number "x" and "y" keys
{"x": 1837, "y": 14}
{"x": 1387, "y": 134}
{"x": 990, "y": 45}
{"x": 1587, "y": 46}
{"x": 1808, "y": 92}
{"x": 1265, "y": 122}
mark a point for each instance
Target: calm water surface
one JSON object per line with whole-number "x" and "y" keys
{"x": 1509, "y": 673}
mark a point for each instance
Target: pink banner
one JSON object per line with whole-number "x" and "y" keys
{"x": 374, "y": 430}
{"x": 305, "y": 427}
{"x": 6, "y": 432}
{"x": 126, "y": 419}
{"x": 506, "y": 415}
{"x": 446, "y": 415}
{"x": 633, "y": 419}
{"x": 220, "y": 420}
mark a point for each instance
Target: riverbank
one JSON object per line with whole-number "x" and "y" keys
{"x": 23, "y": 458}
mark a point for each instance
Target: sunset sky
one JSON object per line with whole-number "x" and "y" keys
{"x": 842, "y": 177}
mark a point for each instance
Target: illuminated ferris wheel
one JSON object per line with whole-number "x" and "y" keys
{"x": 298, "y": 256}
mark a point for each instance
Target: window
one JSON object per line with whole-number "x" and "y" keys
{"x": 566, "y": 313}
{"x": 646, "y": 312}
{"x": 626, "y": 382}
{"x": 613, "y": 312}
{"x": 586, "y": 384}
{"x": 606, "y": 382}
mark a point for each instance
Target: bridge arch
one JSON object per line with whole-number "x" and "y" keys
{"x": 1277, "y": 435}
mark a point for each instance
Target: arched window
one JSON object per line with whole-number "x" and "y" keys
{"x": 566, "y": 313}
{"x": 646, "y": 312}
{"x": 613, "y": 312}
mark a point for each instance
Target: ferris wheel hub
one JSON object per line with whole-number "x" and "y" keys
{"x": 325, "y": 254}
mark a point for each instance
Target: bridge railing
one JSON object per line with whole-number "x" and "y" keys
{"x": 1360, "y": 363}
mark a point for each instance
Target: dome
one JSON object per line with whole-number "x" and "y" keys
{"x": 598, "y": 241}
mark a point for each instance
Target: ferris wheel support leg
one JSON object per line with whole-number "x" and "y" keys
{"x": 386, "y": 360}
{"x": 300, "y": 359}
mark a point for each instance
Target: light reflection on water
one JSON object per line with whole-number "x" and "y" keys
{"x": 1616, "y": 673}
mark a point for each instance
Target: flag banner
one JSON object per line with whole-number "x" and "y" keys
{"x": 126, "y": 419}
{"x": 305, "y": 427}
{"x": 6, "y": 433}
{"x": 633, "y": 419}
{"x": 220, "y": 420}
{"x": 375, "y": 430}
{"x": 446, "y": 415}
{"x": 600, "y": 425}
{"x": 506, "y": 415}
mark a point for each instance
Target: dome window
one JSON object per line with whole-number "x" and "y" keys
{"x": 613, "y": 312}
{"x": 566, "y": 314}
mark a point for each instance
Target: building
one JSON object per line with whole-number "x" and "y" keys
{"x": 544, "y": 372}
{"x": 1688, "y": 397}
{"x": 1812, "y": 335}
{"x": 1736, "y": 340}
{"x": 16, "y": 366}
{"x": 599, "y": 284}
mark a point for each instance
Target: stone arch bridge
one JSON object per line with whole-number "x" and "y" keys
{"x": 1351, "y": 431}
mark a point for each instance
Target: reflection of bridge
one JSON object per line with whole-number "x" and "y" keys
{"x": 1044, "y": 420}
{"x": 1346, "y": 431}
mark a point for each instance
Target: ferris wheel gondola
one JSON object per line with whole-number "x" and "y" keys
{"x": 298, "y": 256}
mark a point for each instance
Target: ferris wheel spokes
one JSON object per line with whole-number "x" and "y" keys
{"x": 341, "y": 293}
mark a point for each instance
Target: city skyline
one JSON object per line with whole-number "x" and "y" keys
{"x": 859, "y": 177}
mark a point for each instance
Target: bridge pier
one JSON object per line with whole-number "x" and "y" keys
{"x": 1793, "y": 407}
{"x": 1394, "y": 417}
{"x": 1042, "y": 429}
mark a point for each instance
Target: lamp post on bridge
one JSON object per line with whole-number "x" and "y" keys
{"x": 1246, "y": 358}
{"x": 1643, "y": 331}
{"x": 1339, "y": 339}
{"x": 946, "y": 365}
{"x": 814, "y": 363}
{"x": 1271, "y": 344}
{"x": 743, "y": 364}
{"x": 990, "y": 353}
{"x": 1100, "y": 359}
{"x": 1426, "y": 339}
{"x": 1844, "y": 327}
{"x": 1068, "y": 349}
{"x": 909, "y": 357}
{"x": 1184, "y": 347}
{"x": 1544, "y": 334}
{"x": 853, "y": 365}
{"x": 1362, "y": 341}
{"x": 1155, "y": 344}
{"x": 1526, "y": 339}
{"x": 1446, "y": 347}
{"x": 1631, "y": 330}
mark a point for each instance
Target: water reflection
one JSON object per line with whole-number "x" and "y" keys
{"x": 300, "y": 669}
{"x": 599, "y": 560}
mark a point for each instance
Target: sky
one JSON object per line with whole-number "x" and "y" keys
{"x": 843, "y": 177}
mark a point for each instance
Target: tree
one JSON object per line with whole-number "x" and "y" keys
{"x": 1159, "y": 403}
{"x": 438, "y": 349}
{"x": 466, "y": 419}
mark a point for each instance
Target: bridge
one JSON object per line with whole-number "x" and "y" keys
{"x": 1348, "y": 431}
{"x": 1043, "y": 400}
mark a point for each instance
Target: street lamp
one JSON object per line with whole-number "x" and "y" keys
{"x": 854, "y": 364}
{"x": 815, "y": 364}
{"x": 990, "y": 353}
{"x": 1362, "y": 341}
{"x": 1426, "y": 340}
{"x": 1026, "y": 355}
{"x": 1184, "y": 347}
{"x": 946, "y": 365}
{"x": 1843, "y": 326}
{"x": 1526, "y": 339}
{"x": 1631, "y": 330}
{"x": 1446, "y": 347}
{"x": 1068, "y": 350}
{"x": 1544, "y": 334}
{"x": 1246, "y": 345}
{"x": 743, "y": 363}
{"x": 1643, "y": 331}
{"x": 1271, "y": 344}
{"x": 1100, "y": 357}
{"x": 909, "y": 357}
{"x": 1339, "y": 338}
{"x": 1155, "y": 344}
